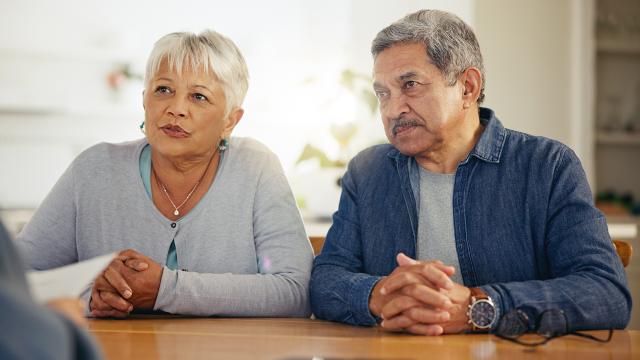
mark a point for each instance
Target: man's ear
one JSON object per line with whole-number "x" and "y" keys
{"x": 471, "y": 80}
{"x": 232, "y": 120}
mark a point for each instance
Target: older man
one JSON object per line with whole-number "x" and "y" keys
{"x": 499, "y": 221}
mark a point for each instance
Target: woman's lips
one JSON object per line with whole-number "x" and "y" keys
{"x": 174, "y": 132}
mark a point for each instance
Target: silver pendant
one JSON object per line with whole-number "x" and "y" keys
{"x": 176, "y": 213}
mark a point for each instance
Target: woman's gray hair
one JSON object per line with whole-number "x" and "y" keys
{"x": 208, "y": 50}
{"x": 451, "y": 44}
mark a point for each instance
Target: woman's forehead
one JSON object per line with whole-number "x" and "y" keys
{"x": 186, "y": 68}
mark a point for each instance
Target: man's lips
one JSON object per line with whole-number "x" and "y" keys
{"x": 403, "y": 125}
{"x": 397, "y": 130}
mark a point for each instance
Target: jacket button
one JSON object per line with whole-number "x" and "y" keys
{"x": 173, "y": 225}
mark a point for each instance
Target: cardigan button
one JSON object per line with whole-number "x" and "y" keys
{"x": 173, "y": 225}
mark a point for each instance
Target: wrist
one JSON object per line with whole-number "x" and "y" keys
{"x": 482, "y": 312}
{"x": 375, "y": 299}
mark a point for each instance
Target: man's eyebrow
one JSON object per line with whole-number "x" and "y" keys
{"x": 377, "y": 86}
{"x": 408, "y": 75}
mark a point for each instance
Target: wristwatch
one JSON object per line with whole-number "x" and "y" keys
{"x": 482, "y": 311}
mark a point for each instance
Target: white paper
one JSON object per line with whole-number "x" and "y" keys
{"x": 66, "y": 281}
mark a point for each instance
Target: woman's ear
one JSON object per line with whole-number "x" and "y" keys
{"x": 232, "y": 120}
{"x": 471, "y": 85}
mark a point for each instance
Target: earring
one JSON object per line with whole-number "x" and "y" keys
{"x": 223, "y": 145}
{"x": 142, "y": 128}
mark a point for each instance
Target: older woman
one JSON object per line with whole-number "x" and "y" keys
{"x": 211, "y": 218}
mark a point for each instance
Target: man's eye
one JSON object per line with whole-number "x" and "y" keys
{"x": 381, "y": 94}
{"x": 199, "y": 97}
{"x": 410, "y": 84}
{"x": 163, "y": 90}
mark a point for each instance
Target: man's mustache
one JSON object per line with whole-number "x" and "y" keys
{"x": 400, "y": 122}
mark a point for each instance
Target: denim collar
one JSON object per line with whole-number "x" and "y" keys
{"x": 489, "y": 146}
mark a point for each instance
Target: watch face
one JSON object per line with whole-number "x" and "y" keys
{"x": 483, "y": 313}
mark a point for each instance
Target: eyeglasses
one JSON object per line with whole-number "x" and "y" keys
{"x": 551, "y": 324}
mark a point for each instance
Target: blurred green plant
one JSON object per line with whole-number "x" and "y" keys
{"x": 360, "y": 85}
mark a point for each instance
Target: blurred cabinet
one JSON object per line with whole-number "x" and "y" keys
{"x": 617, "y": 150}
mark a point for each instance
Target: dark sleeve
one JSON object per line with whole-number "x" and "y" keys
{"x": 339, "y": 288}
{"x": 30, "y": 331}
{"x": 587, "y": 281}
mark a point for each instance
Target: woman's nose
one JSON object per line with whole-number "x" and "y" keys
{"x": 178, "y": 107}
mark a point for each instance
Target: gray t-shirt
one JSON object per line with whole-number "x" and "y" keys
{"x": 436, "y": 238}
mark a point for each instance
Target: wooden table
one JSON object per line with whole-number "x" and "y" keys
{"x": 223, "y": 338}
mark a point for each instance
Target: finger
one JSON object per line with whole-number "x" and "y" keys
{"x": 427, "y": 296}
{"x": 398, "y": 305}
{"x": 404, "y": 260}
{"x": 115, "y": 301}
{"x": 415, "y": 275}
{"x": 425, "y": 329}
{"x": 116, "y": 280}
{"x": 128, "y": 254}
{"x": 136, "y": 264}
{"x": 399, "y": 322}
{"x": 397, "y": 280}
{"x": 426, "y": 315}
{"x": 96, "y": 303}
{"x": 434, "y": 273}
{"x": 109, "y": 314}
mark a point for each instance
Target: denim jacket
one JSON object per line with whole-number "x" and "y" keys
{"x": 526, "y": 232}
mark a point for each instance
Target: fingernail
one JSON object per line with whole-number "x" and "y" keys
{"x": 445, "y": 316}
{"x": 127, "y": 294}
{"x": 448, "y": 285}
{"x": 383, "y": 291}
{"x": 130, "y": 308}
{"x": 381, "y": 316}
{"x": 448, "y": 303}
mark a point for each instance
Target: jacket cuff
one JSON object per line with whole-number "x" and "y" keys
{"x": 168, "y": 285}
{"x": 359, "y": 300}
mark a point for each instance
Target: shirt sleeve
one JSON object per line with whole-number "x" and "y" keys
{"x": 340, "y": 289}
{"x": 586, "y": 280}
{"x": 52, "y": 229}
{"x": 284, "y": 257}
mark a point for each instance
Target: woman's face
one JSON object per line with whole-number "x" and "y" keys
{"x": 184, "y": 114}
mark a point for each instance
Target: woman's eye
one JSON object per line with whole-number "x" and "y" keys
{"x": 200, "y": 97}
{"x": 163, "y": 90}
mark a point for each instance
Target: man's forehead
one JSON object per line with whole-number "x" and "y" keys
{"x": 399, "y": 74}
{"x": 401, "y": 62}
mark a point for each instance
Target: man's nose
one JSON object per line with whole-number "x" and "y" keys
{"x": 395, "y": 106}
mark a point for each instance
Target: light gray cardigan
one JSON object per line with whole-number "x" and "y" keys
{"x": 242, "y": 251}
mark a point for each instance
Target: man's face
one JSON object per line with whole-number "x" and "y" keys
{"x": 420, "y": 111}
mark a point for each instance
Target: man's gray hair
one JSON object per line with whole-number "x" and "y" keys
{"x": 206, "y": 51}
{"x": 451, "y": 44}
